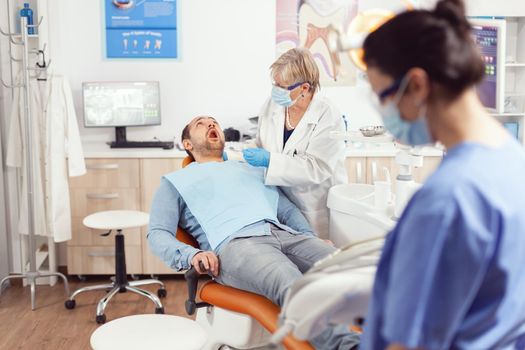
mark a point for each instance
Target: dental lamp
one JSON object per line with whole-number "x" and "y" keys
{"x": 351, "y": 40}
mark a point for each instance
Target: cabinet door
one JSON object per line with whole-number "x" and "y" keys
{"x": 430, "y": 164}
{"x": 108, "y": 173}
{"x": 85, "y": 236}
{"x": 95, "y": 260}
{"x": 375, "y": 169}
{"x": 86, "y": 201}
{"x": 356, "y": 169}
{"x": 151, "y": 171}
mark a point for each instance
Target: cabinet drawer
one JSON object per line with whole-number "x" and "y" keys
{"x": 85, "y": 236}
{"x": 101, "y": 260}
{"x": 356, "y": 169}
{"x": 86, "y": 201}
{"x": 108, "y": 173}
{"x": 375, "y": 169}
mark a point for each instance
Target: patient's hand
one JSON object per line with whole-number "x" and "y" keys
{"x": 209, "y": 260}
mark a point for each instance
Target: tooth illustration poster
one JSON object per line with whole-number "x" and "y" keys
{"x": 308, "y": 23}
{"x": 141, "y": 28}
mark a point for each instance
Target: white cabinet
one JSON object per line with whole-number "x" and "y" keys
{"x": 113, "y": 184}
{"x": 370, "y": 169}
{"x": 356, "y": 169}
{"x": 502, "y": 46}
{"x": 110, "y": 184}
{"x": 151, "y": 171}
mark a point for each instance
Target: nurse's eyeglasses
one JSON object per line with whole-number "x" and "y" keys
{"x": 389, "y": 90}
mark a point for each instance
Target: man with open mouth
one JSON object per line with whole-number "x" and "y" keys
{"x": 251, "y": 236}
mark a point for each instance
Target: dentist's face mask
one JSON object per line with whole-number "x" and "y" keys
{"x": 410, "y": 133}
{"x": 281, "y": 95}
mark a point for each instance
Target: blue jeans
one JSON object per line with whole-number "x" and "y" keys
{"x": 269, "y": 265}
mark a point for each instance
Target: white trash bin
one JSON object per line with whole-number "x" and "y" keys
{"x": 353, "y": 216}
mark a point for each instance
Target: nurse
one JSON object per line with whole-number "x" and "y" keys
{"x": 451, "y": 274}
{"x": 293, "y": 138}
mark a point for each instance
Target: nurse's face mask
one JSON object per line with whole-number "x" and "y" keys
{"x": 281, "y": 95}
{"x": 412, "y": 133}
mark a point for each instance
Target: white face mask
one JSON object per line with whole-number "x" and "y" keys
{"x": 414, "y": 133}
{"x": 281, "y": 96}
{"x": 410, "y": 133}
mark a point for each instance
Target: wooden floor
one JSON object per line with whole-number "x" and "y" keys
{"x": 52, "y": 326}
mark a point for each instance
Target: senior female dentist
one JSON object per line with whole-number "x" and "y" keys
{"x": 451, "y": 274}
{"x": 293, "y": 138}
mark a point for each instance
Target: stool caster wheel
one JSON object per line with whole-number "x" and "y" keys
{"x": 81, "y": 278}
{"x": 162, "y": 293}
{"x": 159, "y": 310}
{"x": 101, "y": 319}
{"x": 70, "y": 304}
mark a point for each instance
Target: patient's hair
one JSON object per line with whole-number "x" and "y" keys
{"x": 186, "y": 136}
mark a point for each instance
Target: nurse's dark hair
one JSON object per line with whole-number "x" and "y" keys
{"x": 186, "y": 136}
{"x": 439, "y": 41}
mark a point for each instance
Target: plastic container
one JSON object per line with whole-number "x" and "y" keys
{"x": 27, "y": 12}
{"x": 353, "y": 216}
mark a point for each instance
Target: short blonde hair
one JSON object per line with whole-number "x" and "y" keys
{"x": 296, "y": 66}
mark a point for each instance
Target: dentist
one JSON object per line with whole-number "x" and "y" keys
{"x": 293, "y": 138}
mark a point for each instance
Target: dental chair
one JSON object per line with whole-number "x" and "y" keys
{"x": 233, "y": 317}
{"x": 336, "y": 290}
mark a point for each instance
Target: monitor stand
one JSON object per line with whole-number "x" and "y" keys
{"x": 120, "y": 138}
{"x": 122, "y": 142}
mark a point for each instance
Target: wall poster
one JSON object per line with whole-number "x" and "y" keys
{"x": 141, "y": 28}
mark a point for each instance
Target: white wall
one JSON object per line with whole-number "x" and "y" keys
{"x": 4, "y": 255}
{"x": 488, "y": 7}
{"x": 226, "y": 48}
{"x": 8, "y": 174}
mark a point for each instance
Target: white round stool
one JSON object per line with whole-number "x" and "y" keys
{"x": 149, "y": 332}
{"x": 119, "y": 220}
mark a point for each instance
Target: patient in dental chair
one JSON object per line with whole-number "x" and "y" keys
{"x": 250, "y": 235}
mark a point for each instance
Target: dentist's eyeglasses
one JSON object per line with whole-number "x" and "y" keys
{"x": 289, "y": 88}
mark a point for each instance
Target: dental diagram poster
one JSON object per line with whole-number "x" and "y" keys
{"x": 307, "y": 23}
{"x": 141, "y": 28}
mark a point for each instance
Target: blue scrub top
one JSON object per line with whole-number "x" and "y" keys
{"x": 452, "y": 272}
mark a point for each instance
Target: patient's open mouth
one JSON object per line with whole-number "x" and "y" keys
{"x": 213, "y": 134}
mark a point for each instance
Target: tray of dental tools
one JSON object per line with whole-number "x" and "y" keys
{"x": 357, "y": 136}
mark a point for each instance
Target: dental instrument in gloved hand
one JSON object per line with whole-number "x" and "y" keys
{"x": 257, "y": 157}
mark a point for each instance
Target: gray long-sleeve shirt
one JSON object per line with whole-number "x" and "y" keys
{"x": 169, "y": 210}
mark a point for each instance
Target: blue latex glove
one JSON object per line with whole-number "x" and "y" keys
{"x": 257, "y": 157}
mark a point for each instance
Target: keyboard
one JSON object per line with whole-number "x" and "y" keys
{"x": 142, "y": 144}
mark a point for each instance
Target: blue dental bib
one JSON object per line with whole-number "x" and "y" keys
{"x": 226, "y": 196}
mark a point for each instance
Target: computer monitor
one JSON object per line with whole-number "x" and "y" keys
{"x": 490, "y": 37}
{"x": 121, "y": 104}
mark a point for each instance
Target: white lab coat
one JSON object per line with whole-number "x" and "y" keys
{"x": 310, "y": 162}
{"x": 57, "y": 151}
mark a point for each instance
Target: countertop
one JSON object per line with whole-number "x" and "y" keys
{"x": 357, "y": 149}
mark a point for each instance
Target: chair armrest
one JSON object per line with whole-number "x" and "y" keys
{"x": 192, "y": 278}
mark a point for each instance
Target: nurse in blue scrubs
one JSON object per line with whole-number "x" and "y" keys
{"x": 452, "y": 273}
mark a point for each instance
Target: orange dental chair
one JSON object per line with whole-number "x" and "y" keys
{"x": 232, "y": 317}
